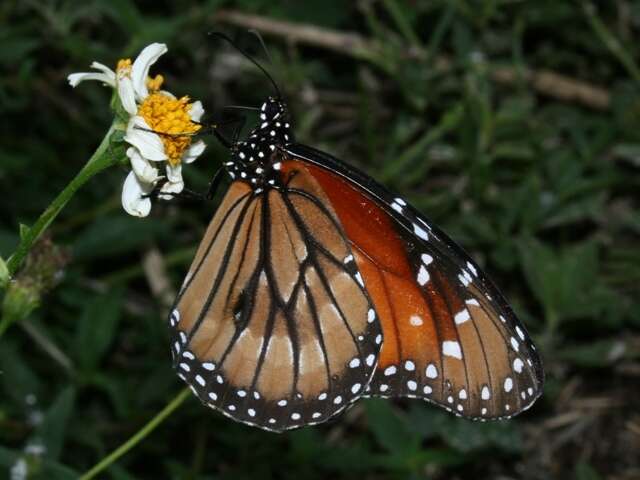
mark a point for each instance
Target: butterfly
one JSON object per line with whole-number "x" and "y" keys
{"x": 315, "y": 286}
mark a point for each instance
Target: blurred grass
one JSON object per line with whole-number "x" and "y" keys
{"x": 542, "y": 191}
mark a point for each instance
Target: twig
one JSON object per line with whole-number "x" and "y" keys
{"x": 347, "y": 43}
{"x": 545, "y": 82}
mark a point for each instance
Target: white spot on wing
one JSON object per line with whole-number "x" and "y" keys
{"x": 485, "y": 394}
{"x": 508, "y": 384}
{"x": 452, "y": 349}
{"x": 420, "y": 232}
{"x": 472, "y": 268}
{"x": 431, "y": 371}
{"x": 461, "y": 316}
{"x": 415, "y": 320}
{"x": 423, "y": 275}
{"x": 517, "y": 365}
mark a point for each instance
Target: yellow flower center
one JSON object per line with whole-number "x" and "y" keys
{"x": 164, "y": 114}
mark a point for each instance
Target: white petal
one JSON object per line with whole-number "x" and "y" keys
{"x": 75, "y": 78}
{"x": 174, "y": 174}
{"x": 126, "y": 94}
{"x": 141, "y": 66}
{"x": 104, "y": 69}
{"x": 194, "y": 151}
{"x": 171, "y": 187}
{"x": 132, "y": 192}
{"x": 148, "y": 143}
{"x": 197, "y": 110}
{"x": 141, "y": 166}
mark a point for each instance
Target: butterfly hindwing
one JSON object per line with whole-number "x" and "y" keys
{"x": 273, "y": 326}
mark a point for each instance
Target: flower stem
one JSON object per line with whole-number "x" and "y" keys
{"x": 102, "y": 158}
{"x": 140, "y": 435}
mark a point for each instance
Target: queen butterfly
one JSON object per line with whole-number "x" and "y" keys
{"x": 314, "y": 286}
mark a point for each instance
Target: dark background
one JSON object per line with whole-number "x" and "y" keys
{"x": 514, "y": 125}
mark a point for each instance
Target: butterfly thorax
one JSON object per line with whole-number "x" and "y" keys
{"x": 256, "y": 159}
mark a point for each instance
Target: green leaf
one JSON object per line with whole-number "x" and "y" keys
{"x": 566, "y": 282}
{"x": 4, "y": 273}
{"x": 51, "y": 432}
{"x": 390, "y": 429}
{"x": 16, "y": 374}
{"x": 96, "y": 328}
{"x": 116, "y": 234}
{"x": 24, "y": 231}
{"x": 597, "y": 354}
{"x": 584, "y": 471}
{"x": 463, "y": 435}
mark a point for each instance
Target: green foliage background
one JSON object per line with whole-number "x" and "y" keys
{"x": 542, "y": 190}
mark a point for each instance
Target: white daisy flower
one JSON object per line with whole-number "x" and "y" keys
{"x": 150, "y": 112}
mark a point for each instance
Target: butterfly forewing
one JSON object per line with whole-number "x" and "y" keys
{"x": 273, "y": 325}
{"x": 449, "y": 336}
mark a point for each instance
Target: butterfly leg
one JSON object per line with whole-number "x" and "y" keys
{"x": 214, "y": 184}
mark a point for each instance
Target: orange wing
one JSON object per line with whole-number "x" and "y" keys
{"x": 449, "y": 336}
{"x": 273, "y": 326}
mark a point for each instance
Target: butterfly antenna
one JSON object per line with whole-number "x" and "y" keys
{"x": 250, "y": 58}
{"x": 240, "y": 107}
{"x": 264, "y": 46}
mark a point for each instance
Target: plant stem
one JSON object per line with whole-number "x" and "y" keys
{"x": 140, "y": 435}
{"x": 102, "y": 158}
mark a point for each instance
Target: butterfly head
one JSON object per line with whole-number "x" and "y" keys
{"x": 255, "y": 159}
